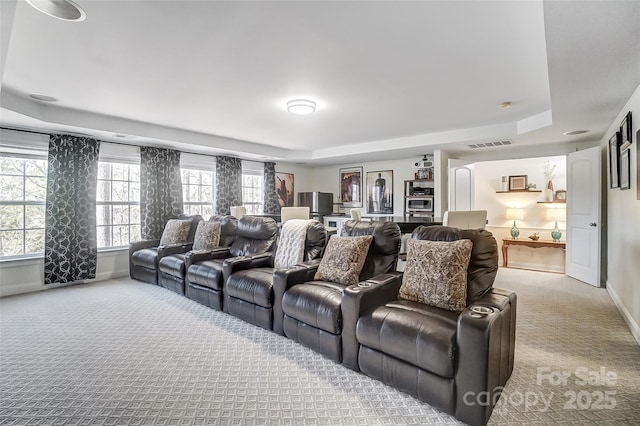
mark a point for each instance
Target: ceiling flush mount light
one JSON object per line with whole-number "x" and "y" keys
{"x": 575, "y": 132}
{"x": 43, "y": 98}
{"x": 301, "y": 106}
{"x": 505, "y": 105}
{"x": 59, "y": 9}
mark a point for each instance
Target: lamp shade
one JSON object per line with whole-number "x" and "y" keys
{"x": 514, "y": 214}
{"x": 556, "y": 215}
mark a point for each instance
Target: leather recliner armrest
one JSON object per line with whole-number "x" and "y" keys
{"x": 284, "y": 279}
{"x": 240, "y": 263}
{"x": 485, "y": 343}
{"x": 358, "y": 299}
{"x": 139, "y": 245}
{"x": 195, "y": 256}
{"x": 169, "y": 249}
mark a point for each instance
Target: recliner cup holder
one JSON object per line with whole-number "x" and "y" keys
{"x": 365, "y": 284}
{"x": 479, "y": 311}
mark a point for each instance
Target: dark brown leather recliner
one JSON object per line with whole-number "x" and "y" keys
{"x": 172, "y": 269}
{"x": 144, "y": 255}
{"x": 453, "y": 361}
{"x": 204, "y": 280}
{"x": 250, "y": 289}
{"x": 314, "y": 314}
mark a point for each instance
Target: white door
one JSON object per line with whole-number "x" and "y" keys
{"x": 583, "y": 215}
{"x": 461, "y": 185}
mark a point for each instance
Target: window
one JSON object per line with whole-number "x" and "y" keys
{"x": 23, "y": 191}
{"x": 197, "y": 192}
{"x": 118, "y": 204}
{"x": 252, "y": 192}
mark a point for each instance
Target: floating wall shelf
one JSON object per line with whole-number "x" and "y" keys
{"x": 519, "y": 190}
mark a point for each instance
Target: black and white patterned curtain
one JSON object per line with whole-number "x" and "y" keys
{"x": 271, "y": 205}
{"x": 70, "y": 247}
{"x": 160, "y": 189}
{"x": 228, "y": 188}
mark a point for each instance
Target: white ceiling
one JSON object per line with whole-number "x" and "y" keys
{"x": 391, "y": 79}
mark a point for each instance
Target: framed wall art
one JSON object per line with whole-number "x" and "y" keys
{"x": 285, "y": 189}
{"x": 518, "y": 183}
{"x": 614, "y": 161}
{"x": 625, "y": 173}
{"x": 351, "y": 187}
{"x": 380, "y": 192}
{"x": 626, "y": 132}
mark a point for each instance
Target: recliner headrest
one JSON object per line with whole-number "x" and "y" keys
{"x": 228, "y": 228}
{"x": 383, "y": 251}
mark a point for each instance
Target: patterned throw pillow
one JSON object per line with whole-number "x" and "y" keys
{"x": 207, "y": 236}
{"x": 176, "y": 231}
{"x": 436, "y": 273}
{"x": 343, "y": 259}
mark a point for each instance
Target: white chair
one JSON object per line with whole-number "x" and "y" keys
{"x": 469, "y": 219}
{"x": 355, "y": 214}
{"x": 288, "y": 213}
{"x": 238, "y": 211}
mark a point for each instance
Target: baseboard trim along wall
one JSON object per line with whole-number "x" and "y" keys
{"x": 633, "y": 326}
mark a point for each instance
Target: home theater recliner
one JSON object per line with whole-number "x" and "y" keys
{"x": 456, "y": 360}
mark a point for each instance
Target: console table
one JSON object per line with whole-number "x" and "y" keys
{"x": 506, "y": 242}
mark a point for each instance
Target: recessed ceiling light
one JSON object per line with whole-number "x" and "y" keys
{"x": 505, "y": 105}
{"x": 301, "y": 106}
{"x": 44, "y": 98}
{"x": 59, "y": 9}
{"x": 575, "y": 132}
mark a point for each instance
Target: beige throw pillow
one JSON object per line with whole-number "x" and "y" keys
{"x": 436, "y": 273}
{"x": 176, "y": 231}
{"x": 343, "y": 259}
{"x": 207, "y": 236}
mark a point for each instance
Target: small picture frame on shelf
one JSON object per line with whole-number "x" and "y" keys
{"x": 626, "y": 132}
{"x": 518, "y": 183}
{"x": 421, "y": 174}
{"x": 560, "y": 196}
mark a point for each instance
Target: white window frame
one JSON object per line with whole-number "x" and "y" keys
{"x": 253, "y": 206}
{"x": 185, "y": 188}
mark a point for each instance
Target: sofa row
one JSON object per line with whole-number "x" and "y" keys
{"x": 344, "y": 299}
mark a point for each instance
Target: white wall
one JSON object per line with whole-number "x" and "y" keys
{"x": 488, "y": 180}
{"x": 27, "y": 275}
{"x": 623, "y": 225}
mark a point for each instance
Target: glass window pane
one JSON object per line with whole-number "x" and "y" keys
{"x": 11, "y": 188}
{"x": 134, "y": 232}
{"x": 104, "y": 171}
{"x": 119, "y": 191}
{"x": 207, "y": 211}
{"x": 11, "y": 243}
{"x": 206, "y": 194}
{"x": 35, "y": 188}
{"x": 11, "y": 217}
{"x": 120, "y": 215}
{"x": 34, "y": 241}
{"x": 104, "y": 191}
{"x": 134, "y": 191}
{"x": 120, "y": 236}
{"x": 103, "y": 236}
{"x": 11, "y": 166}
{"x": 35, "y": 167}
{"x": 103, "y": 215}
{"x": 34, "y": 216}
{"x": 194, "y": 192}
{"x": 134, "y": 173}
{"x": 119, "y": 171}
{"x": 135, "y": 214}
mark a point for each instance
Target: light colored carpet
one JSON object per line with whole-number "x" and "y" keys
{"x": 125, "y": 352}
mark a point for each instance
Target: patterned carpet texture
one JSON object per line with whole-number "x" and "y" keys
{"x": 123, "y": 352}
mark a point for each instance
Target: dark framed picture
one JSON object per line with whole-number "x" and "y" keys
{"x": 637, "y": 165}
{"x": 284, "y": 188}
{"x": 626, "y": 132}
{"x": 518, "y": 183}
{"x": 560, "y": 196}
{"x": 351, "y": 187}
{"x": 380, "y": 192}
{"x": 625, "y": 166}
{"x": 614, "y": 161}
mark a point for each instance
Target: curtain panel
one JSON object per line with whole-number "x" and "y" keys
{"x": 271, "y": 205}
{"x": 160, "y": 189}
{"x": 70, "y": 246}
{"x": 228, "y": 186}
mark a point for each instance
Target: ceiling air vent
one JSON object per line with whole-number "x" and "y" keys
{"x": 490, "y": 144}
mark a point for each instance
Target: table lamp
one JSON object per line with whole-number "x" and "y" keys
{"x": 556, "y": 215}
{"x": 514, "y": 214}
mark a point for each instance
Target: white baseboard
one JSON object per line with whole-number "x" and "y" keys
{"x": 30, "y": 287}
{"x": 633, "y": 326}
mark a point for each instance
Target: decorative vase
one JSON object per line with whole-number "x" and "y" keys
{"x": 549, "y": 192}
{"x": 556, "y": 234}
{"x": 515, "y": 231}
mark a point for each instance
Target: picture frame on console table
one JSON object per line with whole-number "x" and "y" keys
{"x": 351, "y": 187}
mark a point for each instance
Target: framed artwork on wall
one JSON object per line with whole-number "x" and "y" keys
{"x": 625, "y": 165}
{"x": 285, "y": 189}
{"x": 626, "y": 132}
{"x": 351, "y": 187}
{"x": 614, "y": 161}
{"x": 380, "y": 192}
{"x": 638, "y": 165}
